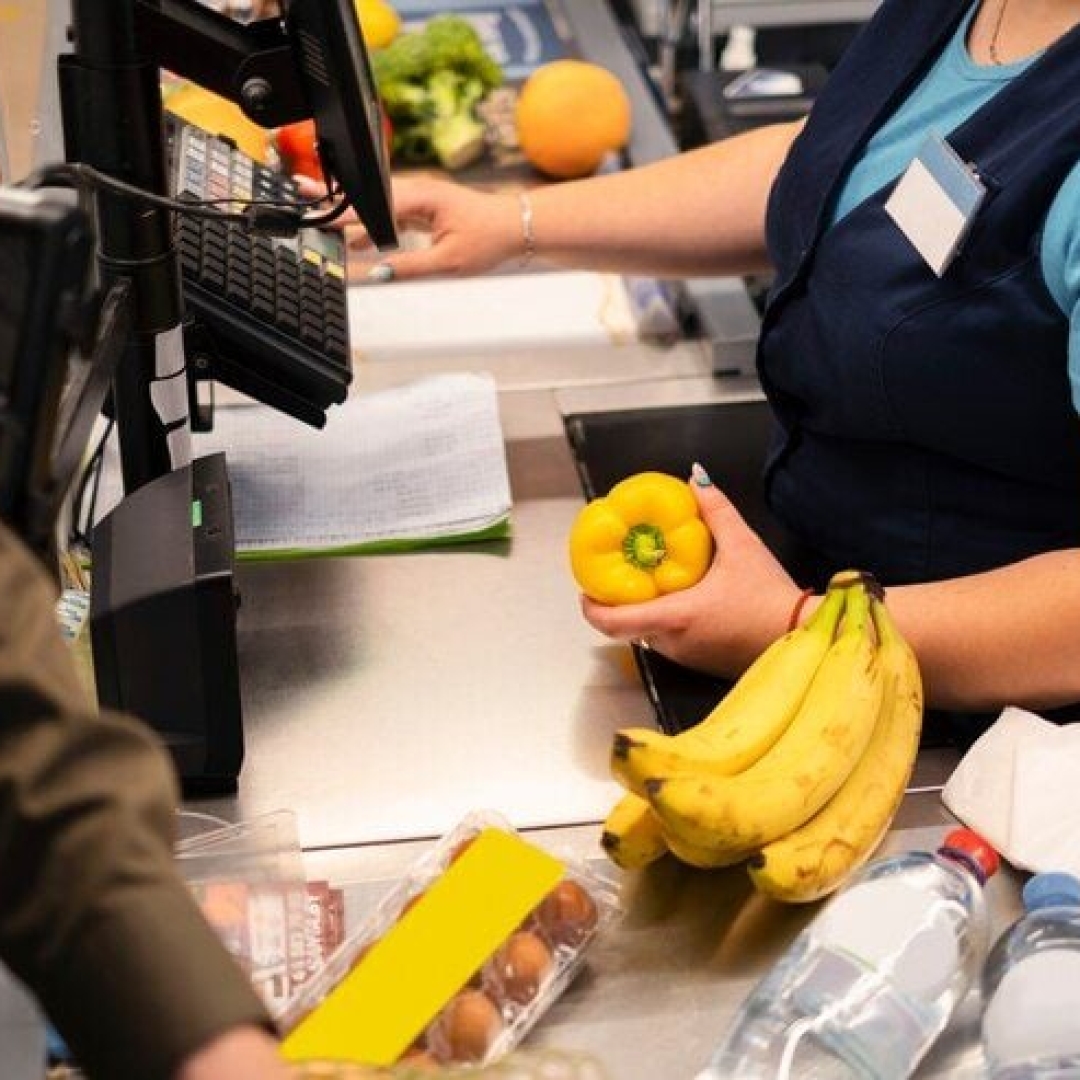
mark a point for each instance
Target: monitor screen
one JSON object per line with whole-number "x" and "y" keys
{"x": 344, "y": 101}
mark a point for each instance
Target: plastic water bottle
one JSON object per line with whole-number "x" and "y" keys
{"x": 22, "y": 1032}
{"x": 868, "y": 986}
{"x": 1031, "y": 986}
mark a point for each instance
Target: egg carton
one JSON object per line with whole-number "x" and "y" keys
{"x": 516, "y": 984}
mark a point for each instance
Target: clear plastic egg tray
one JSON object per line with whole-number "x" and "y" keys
{"x": 518, "y": 980}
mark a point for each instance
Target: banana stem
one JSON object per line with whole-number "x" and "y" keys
{"x": 845, "y": 578}
{"x": 857, "y": 615}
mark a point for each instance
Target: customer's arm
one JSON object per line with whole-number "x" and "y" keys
{"x": 92, "y": 914}
{"x": 701, "y": 212}
{"x": 697, "y": 213}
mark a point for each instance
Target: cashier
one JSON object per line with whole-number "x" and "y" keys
{"x": 918, "y": 347}
{"x": 93, "y": 916}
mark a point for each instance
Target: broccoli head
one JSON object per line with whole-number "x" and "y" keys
{"x": 430, "y": 82}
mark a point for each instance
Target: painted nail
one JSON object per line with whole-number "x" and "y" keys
{"x": 700, "y": 476}
{"x": 381, "y": 273}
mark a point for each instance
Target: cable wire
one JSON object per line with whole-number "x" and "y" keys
{"x": 319, "y": 221}
{"x": 276, "y": 216}
{"x": 82, "y": 521}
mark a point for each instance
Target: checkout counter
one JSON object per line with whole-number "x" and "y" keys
{"x": 387, "y": 696}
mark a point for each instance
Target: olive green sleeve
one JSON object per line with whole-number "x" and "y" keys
{"x": 93, "y": 916}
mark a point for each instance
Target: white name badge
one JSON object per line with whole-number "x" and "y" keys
{"x": 935, "y": 202}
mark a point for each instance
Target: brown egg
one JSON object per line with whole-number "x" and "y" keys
{"x": 517, "y": 971}
{"x": 531, "y": 923}
{"x": 567, "y": 915}
{"x": 466, "y": 1028}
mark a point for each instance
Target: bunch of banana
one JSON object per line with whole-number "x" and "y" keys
{"x": 800, "y": 769}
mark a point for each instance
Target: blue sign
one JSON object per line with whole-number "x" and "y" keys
{"x": 520, "y": 35}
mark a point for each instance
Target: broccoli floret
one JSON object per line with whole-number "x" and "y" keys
{"x": 407, "y": 59}
{"x": 405, "y": 101}
{"x": 431, "y": 82}
{"x": 457, "y": 136}
{"x": 455, "y": 44}
{"x": 413, "y": 143}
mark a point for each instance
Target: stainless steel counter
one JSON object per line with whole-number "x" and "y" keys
{"x": 388, "y": 696}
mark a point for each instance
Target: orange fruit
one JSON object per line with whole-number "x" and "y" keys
{"x": 570, "y": 115}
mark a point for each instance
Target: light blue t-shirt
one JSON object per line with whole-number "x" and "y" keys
{"x": 950, "y": 93}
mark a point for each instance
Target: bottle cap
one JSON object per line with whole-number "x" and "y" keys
{"x": 1051, "y": 890}
{"x": 974, "y": 851}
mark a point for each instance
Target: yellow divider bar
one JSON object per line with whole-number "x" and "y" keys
{"x": 390, "y": 997}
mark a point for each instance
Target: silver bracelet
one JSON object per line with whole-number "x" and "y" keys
{"x": 527, "y": 235}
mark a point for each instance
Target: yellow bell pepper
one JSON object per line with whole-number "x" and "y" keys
{"x": 643, "y": 539}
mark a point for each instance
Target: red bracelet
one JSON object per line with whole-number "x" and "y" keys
{"x": 796, "y": 611}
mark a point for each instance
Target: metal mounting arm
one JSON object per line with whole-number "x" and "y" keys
{"x": 253, "y": 65}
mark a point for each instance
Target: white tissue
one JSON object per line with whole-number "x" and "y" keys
{"x": 980, "y": 790}
{"x": 1045, "y": 833}
{"x": 1019, "y": 787}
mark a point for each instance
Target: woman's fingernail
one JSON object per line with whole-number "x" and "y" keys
{"x": 700, "y": 476}
{"x": 381, "y": 273}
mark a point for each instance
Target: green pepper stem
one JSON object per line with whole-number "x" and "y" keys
{"x": 644, "y": 547}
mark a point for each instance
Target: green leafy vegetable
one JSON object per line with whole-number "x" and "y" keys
{"x": 430, "y": 82}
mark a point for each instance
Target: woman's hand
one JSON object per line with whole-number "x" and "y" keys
{"x": 470, "y": 231}
{"x": 725, "y": 621}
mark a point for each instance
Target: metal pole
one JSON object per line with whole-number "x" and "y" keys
{"x": 706, "y": 44}
{"x": 675, "y": 13}
{"x": 111, "y": 104}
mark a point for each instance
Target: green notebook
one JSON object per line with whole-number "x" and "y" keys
{"x": 414, "y": 467}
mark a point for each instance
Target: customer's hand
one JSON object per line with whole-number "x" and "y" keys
{"x": 721, "y": 624}
{"x": 246, "y": 1053}
{"x": 470, "y": 231}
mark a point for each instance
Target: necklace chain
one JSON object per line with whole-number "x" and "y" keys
{"x": 992, "y": 47}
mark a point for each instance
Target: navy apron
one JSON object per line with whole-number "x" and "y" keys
{"x": 925, "y": 426}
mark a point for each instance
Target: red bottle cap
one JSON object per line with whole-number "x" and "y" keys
{"x": 974, "y": 849}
